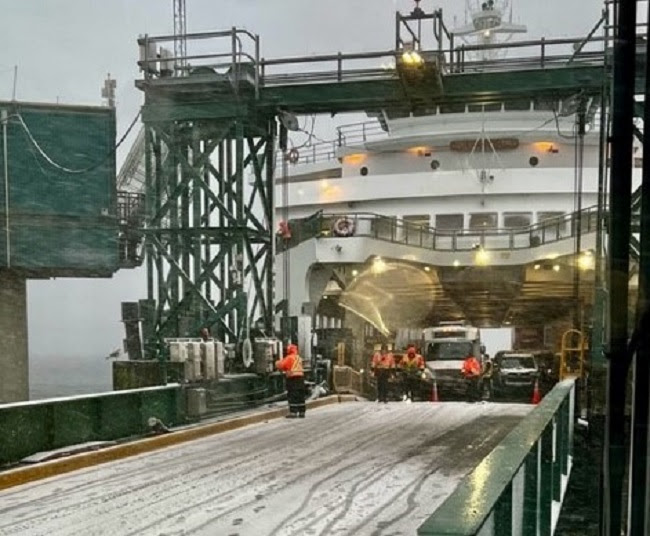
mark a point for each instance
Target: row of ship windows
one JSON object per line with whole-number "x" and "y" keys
{"x": 533, "y": 161}
{"x": 480, "y": 220}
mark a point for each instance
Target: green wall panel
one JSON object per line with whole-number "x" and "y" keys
{"x": 59, "y": 220}
{"x": 31, "y": 427}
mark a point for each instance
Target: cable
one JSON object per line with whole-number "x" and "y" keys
{"x": 54, "y": 164}
{"x": 557, "y": 126}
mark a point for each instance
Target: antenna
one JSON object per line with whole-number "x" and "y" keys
{"x": 180, "y": 34}
{"x": 108, "y": 91}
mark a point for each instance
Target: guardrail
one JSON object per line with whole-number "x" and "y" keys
{"x": 519, "y": 487}
{"x": 398, "y": 231}
{"x": 43, "y": 425}
{"x": 236, "y": 56}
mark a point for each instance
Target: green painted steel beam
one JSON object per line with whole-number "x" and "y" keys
{"x": 475, "y": 499}
{"x": 350, "y": 96}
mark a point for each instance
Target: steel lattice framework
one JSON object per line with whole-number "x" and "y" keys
{"x": 209, "y": 232}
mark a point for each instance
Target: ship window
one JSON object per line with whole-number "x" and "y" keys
{"x": 396, "y": 113}
{"x": 533, "y": 161}
{"x": 384, "y": 227}
{"x": 516, "y": 220}
{"x": 491, "y": 107}
{"x": 552, "y": 220}
{"x": 545, "y": 105}
{"x": 449, "y": 222}
{"x": 364, "y": 171}
{"x": 452, "y": 108}
{"x": 421, "y": 111}
{"x": 518, "y": 105}
{"x": 435, "y": 164}
{"x": 484, "y": 220}
{"x": 414, "y": 227}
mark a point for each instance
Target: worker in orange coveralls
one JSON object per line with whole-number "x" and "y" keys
{"x": 292, "y": 367}
{"x": 383, "y": 365}
{"x": 471, "y": 371}
{"x": 412, "y": 366}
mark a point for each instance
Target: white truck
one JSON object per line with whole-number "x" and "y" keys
{"x": 444, "y": 349}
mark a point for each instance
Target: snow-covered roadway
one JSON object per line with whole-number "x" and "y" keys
{"x": 350, "y": 469}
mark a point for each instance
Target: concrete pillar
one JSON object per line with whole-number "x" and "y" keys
{"x": 14, "y": 364}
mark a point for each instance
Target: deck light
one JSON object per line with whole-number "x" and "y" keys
{"x": 586, "y": 261}
{"x": 482, "y": 257}
{"x": 412, "y": 58}
{"x": 378, "y": 266}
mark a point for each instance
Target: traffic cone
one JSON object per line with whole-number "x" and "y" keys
{"x": 537, "y": 397}
{"x": 434, "y": 392}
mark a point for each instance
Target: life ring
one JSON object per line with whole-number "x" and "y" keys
{"x": 283, "y": 230}
{"x": 293, "y": 156}
{"x": 343, "y": 227}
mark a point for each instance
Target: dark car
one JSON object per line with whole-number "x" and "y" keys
{"x": 515, "y": 373}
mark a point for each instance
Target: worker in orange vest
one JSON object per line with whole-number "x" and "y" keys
{"x": 383, "y": 365}
{"x": 412, "y": 366}
{"x": 292, "y": 367}
{"x": 471, "y": 371}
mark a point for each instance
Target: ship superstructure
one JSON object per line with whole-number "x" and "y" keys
{"x": 436, "y": 193}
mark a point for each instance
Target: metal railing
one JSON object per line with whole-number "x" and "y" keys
{"x": 398, "y": 231}
{"x": 519, "y": 487}
{"x": 328, "y": 150}
{"x": 236, "y": 58}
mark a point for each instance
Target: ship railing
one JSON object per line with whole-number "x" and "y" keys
{"x": 234, "y": 57}
{"x": 313, "y": 153}
{"x": 520, "y": 486}
{"x": 395, "y": 230}
{"x": 328, "y": 150}
{"x": 360, "y": 133}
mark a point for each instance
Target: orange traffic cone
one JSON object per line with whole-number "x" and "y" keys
{"x": 434, "y": 392}
{"x": 537, "y": 397}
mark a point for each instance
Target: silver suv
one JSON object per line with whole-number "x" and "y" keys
{"x": 514, "y": 372}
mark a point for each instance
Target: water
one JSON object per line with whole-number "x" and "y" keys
{"x": 51, "y": 376}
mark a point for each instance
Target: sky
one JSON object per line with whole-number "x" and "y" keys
{"x": 65, "y": 48}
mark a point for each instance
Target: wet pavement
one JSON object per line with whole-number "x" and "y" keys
{"x": 351, "y": 469}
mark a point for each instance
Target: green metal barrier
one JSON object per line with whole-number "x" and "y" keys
{"x": 518, "y": 489}
{"x": 42, "y": 425}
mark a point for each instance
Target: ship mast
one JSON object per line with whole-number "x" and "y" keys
{"x": 488, "y": 26}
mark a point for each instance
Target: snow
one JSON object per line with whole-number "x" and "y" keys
{"x": 351, "y": 469}
{"x": 87, "y": 396}
{"x": 66, "y": 451}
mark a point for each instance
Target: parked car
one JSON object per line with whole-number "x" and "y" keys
{"x": 514, "y": 373}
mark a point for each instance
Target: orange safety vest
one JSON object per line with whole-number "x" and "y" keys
{"x": 291, "y": 365}
{"x": 380, "y": 361}
{"x": 471, "y": 367}
{"x": 413, "y": 363}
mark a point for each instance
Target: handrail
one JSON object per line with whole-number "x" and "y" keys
{"x": 451, "y": 59}
{"x": 516, "y": 488}
{"x": 395, "y": 230}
